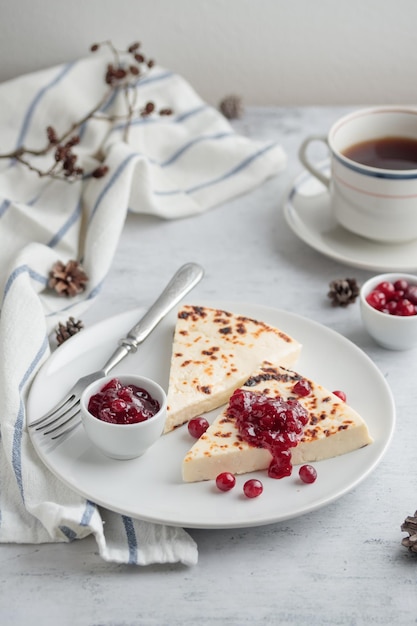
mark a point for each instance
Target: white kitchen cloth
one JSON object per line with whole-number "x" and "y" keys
{"x": 172, "y": 166}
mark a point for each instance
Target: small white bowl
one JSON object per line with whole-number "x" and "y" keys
{"x": 393, "y": 332}
{"x": 124, "y": 441}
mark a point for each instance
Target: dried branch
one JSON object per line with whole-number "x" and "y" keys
{"x": 128, "y": 68}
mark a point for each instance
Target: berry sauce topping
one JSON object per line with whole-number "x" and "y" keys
{"x": 122, "y": 404}
{"x": 197, "y": 426}
{"x": 394, "y": 298}
{"x": 271, "y": 423}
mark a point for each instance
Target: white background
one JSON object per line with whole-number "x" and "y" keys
{"x": 269, "y": 52}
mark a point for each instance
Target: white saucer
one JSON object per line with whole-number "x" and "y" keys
{"x": 308, "y": 214}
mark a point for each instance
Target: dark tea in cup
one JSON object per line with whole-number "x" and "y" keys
{"x": 388, "y": 153}
{"x": 372, "y": 175}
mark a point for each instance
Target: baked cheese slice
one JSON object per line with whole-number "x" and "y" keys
{"x": 333, "y": 428}
{"x": 214, "y": 352}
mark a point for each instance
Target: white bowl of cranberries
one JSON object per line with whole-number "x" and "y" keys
{"x": 389, "y": 310}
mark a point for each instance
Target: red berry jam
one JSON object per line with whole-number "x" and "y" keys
{"x": 253, "y": 488}
{"x": 271, "y": 423}
{"x": 122, "y": 404}
{"x": 225, "y": 481}
{"x": 197, "y": 426}
{"x": 397, "y": 298}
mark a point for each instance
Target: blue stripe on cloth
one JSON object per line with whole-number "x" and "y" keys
{"x": 18, "y": 427}
{"x": 155, "y": 78}
{"x": 192, "y": 143}
{"x": 34, "y": 200}
{"x": 235, "y": 170}
{"x": 93, "y": 293}
{"x": 68, "y": 532}
{"x": 21, "y": 270}
{"x": 178, "y": 153}
{"x": 17, "y": 449}
{"x": 72, "y": 219}
{"x": 90, "y": 507}
{"x": 111, "y": 182}
{"x": 4, "y": 206}
{"x": 36, "y": 100}
{"x": 132, "y": 542}
{"x": 34, "y": 363}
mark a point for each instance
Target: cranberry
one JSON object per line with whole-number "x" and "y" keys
{"x": 225, "y": 481}
{"x": 253, "y": 488}
{"x": 400, "y": 285}
{"x": 391, "y": 308}
{"x": 386, "y": 287}
{"x": 340, "y": 394}
{"x": 302, "y": 387}
{"x": 411, "y": 293}
{"x": 307, "y": 473}
{"x": 376, "y": 299}
{"x": 405, "y": 308}
{"x": 197, "y": 426}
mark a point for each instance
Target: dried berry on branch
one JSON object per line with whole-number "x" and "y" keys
{"x": 122, "y": 75}
{"x": 67, "y": 279}
{"x": 343, "y": 291}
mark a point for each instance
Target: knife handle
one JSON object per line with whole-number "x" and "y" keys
{"x": 180, "y": 284}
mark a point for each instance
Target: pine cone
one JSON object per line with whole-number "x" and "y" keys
{"x": 343, "y": 291}
{"x": 67, "y": 280}
{"x": 67, "y": 330}
{"x": 231, "y": 107}
{"x": 410, "y": 526}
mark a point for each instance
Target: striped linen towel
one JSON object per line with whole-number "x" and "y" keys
{"x": 172, "y": 167}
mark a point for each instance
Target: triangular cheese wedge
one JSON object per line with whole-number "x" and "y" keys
{"x": 333, "y": 428}
{"x": 214, "y": 352}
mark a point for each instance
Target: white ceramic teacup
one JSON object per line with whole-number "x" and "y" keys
{"x": 375, "y": 202}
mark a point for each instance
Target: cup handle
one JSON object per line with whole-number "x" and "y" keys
{"x": 302, "y": 155}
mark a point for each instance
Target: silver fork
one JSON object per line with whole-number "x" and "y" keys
{"x": 59, "y": 420}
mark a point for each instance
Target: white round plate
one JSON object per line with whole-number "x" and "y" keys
{"x": 151, "y": 487}
{"x": 308, "y": 214}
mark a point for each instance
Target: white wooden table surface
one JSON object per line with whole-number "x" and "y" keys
{"x": 340, "y": 565}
